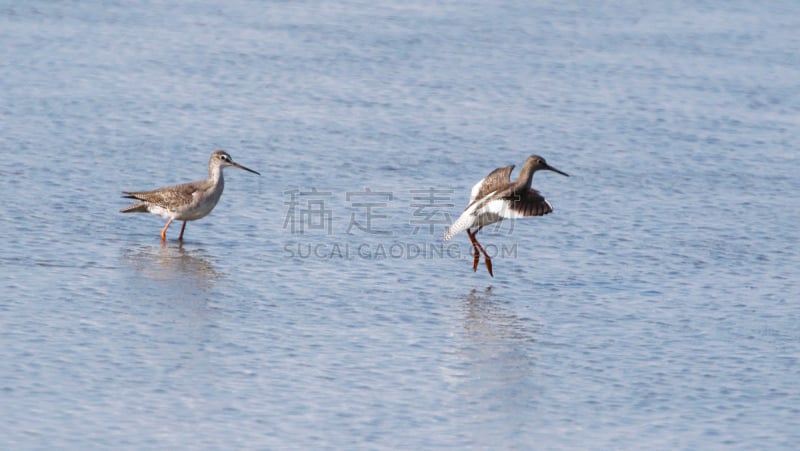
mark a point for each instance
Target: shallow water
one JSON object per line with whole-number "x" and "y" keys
{"x": 657, "y": 307}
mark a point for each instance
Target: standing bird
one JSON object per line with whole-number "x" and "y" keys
{"x": 188, "y": 201}
{"x": 496, "y": 197}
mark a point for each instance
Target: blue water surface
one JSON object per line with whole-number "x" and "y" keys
{"x": 318, "y": 308}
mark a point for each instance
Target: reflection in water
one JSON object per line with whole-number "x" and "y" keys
{"x": 168, "y": 292}
{"x": 498, "y": 371}
{"x": 172, "y": 274}
{"x": 488, "y": 320}
{"x": 167, "y": 262}
{"x": 178, "y": 279}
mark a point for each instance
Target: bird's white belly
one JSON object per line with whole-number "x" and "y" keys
{"x": 161, "y": 211}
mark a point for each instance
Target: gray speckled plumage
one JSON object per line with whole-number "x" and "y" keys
{"x": 179, "y": 201}
{"x": 187, "y": 201}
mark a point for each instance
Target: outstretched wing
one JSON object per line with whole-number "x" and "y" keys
{"x": 496, "y": 179}
{"x": 528, "y": 203}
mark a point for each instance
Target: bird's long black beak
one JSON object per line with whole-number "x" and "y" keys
{"x": 237, "y": 165}
{"x": 556, "y": 170}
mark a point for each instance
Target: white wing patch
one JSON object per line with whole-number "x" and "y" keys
{"x": 501, "y": 208}
{"x": 476, "y": 189}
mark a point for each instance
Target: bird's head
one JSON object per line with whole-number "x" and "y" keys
{"x": 538, "y": 163}
{"x": 223, "y": 159}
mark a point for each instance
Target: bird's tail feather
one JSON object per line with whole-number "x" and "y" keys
{"x": 462, "y": 223}
{"x": 138, "y": 207}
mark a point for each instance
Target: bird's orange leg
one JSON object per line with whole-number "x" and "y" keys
{"x": 488, "y": 261}
{"x": 164, "y": 230}
{"x": 486, "y": 257}
{"x": 477, "y": 258}
{"x": 180, "y": 238}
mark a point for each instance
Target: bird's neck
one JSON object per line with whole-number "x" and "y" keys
{"x": 215, "y": 175}
{"x": 525, "y": 177}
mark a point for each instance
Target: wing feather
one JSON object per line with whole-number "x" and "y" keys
{"x": 496, "y": 179}
{"x": 166, "y": 197}
{"x": 529, "y": 203}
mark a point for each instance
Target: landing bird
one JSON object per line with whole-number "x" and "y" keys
{"x": 186, "y": 202}
{"x": 496, "y": 197}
